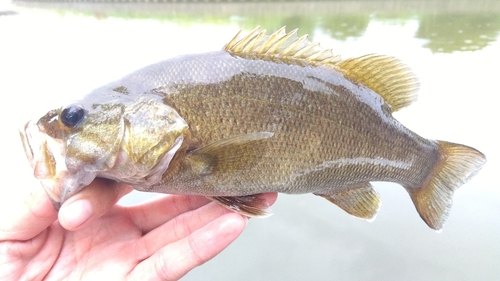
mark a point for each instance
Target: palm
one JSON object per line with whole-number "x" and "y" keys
{"x": 162, "y": 239}
{"x": 100, "y": 248}
{"x": 122, "y": 239}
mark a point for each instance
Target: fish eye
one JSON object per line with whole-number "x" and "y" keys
{"x": 72, "y": 115}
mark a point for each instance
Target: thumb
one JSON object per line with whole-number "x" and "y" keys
{"x": 91, "y": 203}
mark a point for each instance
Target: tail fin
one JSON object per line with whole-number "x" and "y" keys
{"x": 457, "y": 164}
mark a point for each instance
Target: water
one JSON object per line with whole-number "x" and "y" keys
{"x": 57, "y": 51}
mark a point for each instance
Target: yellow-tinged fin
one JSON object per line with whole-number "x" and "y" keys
{"x": 385, "y": 75}
{"x": 250, "y": 205}
{"x": 227, "y": 155}
{"x": 281, "y": 45}
{"x": 433, "y": 199}
{"x": 361, "y": 201}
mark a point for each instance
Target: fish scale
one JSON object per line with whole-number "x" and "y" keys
{"x": 206, "y": 106}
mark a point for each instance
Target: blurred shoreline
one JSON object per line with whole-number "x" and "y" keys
{"x": 285, "y": 8}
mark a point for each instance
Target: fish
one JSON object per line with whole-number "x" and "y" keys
{"x": 267, "y": 113}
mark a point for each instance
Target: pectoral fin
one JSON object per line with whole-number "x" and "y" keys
{"x": 250, "y": 205}
{"x": 361, "y": 201}
{"x": 229, "y": 155}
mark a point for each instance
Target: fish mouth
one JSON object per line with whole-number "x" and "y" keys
{"x": 26, "y": 136}
{"x": 44, "y": 153}
{"x": 41, "y": 150}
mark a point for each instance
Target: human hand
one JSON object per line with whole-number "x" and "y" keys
{"x": 92, "y": 237}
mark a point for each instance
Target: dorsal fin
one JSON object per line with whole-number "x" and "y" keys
{"x": 385, "y": 75}
{"x": 282, "y": 45}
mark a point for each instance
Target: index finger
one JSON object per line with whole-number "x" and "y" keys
{"x": 27, "y": 215}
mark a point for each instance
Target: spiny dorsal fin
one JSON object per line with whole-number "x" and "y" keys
{"x": 385, "y": 75}
{"x": 282, "y": 45}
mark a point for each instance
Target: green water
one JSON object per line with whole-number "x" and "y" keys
{"x": 446, "y": 26}
{"x": 51, "y": 52}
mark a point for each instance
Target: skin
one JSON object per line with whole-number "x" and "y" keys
{"x": 91, "y": 236}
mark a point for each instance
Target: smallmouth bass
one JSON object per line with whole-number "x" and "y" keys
{"x": 268, "y": 113}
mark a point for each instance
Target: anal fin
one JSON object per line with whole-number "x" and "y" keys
{"x": 251, "y": 205}
{"x": 361, "y": 201}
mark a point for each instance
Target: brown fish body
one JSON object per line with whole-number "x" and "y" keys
{"x": 269, "y": 113}
{"x": 328, "y": 132}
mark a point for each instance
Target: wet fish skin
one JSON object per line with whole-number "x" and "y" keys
{"x": 266, "y": 114}
{"x": 305, "y": 138}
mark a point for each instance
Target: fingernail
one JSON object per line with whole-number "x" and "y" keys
{"x": 76, "y": 213}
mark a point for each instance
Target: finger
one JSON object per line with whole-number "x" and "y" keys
{"x": 91, "y": 203}
{"x": 178, "y": 228}
{"x": 176, "y": 259}
{"x": 150, "y": 215}
{"x": 28, "y": 215}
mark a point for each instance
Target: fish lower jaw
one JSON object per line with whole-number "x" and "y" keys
{"x": 53, "y": 188}
{"x": 66, "y": 184}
